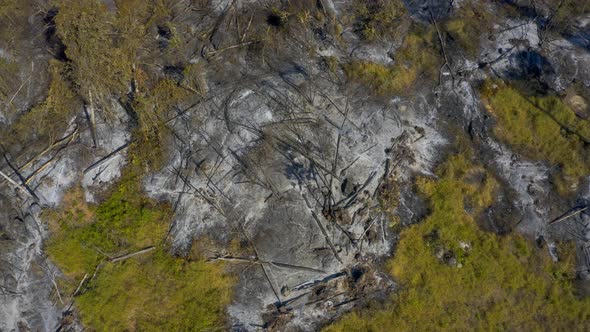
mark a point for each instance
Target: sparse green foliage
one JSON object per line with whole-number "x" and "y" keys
{"x": 541, "y": 128}
{"x": 100, "y": 67}
{"x": 331, "y": 63}
{"x": 48, "y": 121}
{"x": 563, "y": 12}
{"x": 13, "y": 20}
{"x": 143, "y": 292}
{"x": 416, "y": 58}
{"x": 498, "y": 283}
{"x": 157, "y": 292}
{"x": 378, "y": 19}
{"x": 8, "y": 74}
{"x": 468, "y": 25}
{"x": 194, "y": 79}
{"x": 153, "y": 108}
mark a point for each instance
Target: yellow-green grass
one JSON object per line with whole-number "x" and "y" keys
{"x": 498, "y": 283}
{"x": 414, "y": 59}
{"x": 153, "y": 291}
{"x": 467, "y": 26}
{"x": 378, "y": 19}
{"x": 541, "y": 128}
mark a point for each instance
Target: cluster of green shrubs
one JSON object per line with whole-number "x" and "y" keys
{"x": 141, "y": 292}
{"x": 496, "y": 282}
{"x": 376, "y": 19}
{"x": 541, "y": 128}
{"x": 416, "y": 58}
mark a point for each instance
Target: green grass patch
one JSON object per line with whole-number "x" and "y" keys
{"x": 497, "y": 283}
{"x": 157, "y": 292}
{"x": 154, "y": 291}
{"x": 466, "y": 27}
{"x": 378, "y": 19}
{"x": 416, "y": 58}
{"x": 541, "y": 128}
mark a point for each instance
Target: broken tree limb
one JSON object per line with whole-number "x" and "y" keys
{"x": 270, "y": 283}
{"x": 57, "y": 290}
{"x": 80, "y": 285}
{"x": 91, "y": 118}
{"x": 133, "y": 254}
{"x": 212, "y": 53}
{"x": 62, "y": 141}
{"x": 40, "y": 169}
{"x": 444, "y": 52}
{"x": 14, "y": 184}
{"x": 105, "y": 158}
{"x": 323, "y": 230}
{"x": 260, "y": 261}
{"x": 23, "y": 186}
{"x": 569, "y": 214}
{"x": 366, "y": 231}
{"x": 312, "y": 283}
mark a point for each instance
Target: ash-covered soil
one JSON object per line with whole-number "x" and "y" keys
{"x": 279, "y": 148}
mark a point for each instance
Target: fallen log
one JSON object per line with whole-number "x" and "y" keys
{"x": 569, "y": 214}
{"x": 260, "y": 261}
{"x": 124, "y": 257}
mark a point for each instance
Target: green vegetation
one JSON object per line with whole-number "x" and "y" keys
{"x": 100, "y": 67}
{"x": 142, "y": 292}
{"x": 331, "y": 63}
{"x": 416, "y": 58}
{"x": 105, "y": 59}
{"x": 106, "y": 54}
{"x": 468, "y": 25}
{"x": 13, "y": 21}
{"x": 125, "y": 222}
{"x": 565, "y": 11}
{"x": 47, "y": 122}
{"x": 378, "y": 19}
{"x": 15, "y": 55}
{"x": 495, "y": 283}
{"x": 541, "y": 128}
{"x": 153, "y": 107}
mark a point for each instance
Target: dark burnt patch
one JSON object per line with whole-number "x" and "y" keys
{"x": 428, "y": 10}
{"x": 54, "y": 43}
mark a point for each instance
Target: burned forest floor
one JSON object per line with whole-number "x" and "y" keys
{"x": 301, "y": 165}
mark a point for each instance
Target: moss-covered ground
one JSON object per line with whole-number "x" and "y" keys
{"x": 495, "y": 283}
